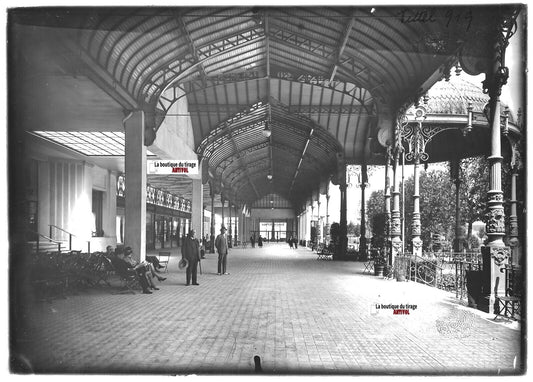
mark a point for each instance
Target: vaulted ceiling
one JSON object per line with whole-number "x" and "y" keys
{"x": 325, "y": 81}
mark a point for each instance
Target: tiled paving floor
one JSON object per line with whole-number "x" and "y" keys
{"x": 298, "y": 314}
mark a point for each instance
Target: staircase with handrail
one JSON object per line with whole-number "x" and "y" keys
{"x": 70, "y": 236}
{"x": 45, "y": 244}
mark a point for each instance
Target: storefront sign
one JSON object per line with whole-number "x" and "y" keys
{"x": 172, "y": 167}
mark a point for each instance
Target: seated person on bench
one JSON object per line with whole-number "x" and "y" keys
{"x": 123, "y": 267}
{"x": 149, "y": 267}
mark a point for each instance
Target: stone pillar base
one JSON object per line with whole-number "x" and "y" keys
{"x": 493, "y": 278}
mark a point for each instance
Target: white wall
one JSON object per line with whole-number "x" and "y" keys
{"x": 65, "y": 198}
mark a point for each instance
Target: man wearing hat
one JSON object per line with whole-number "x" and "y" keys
{"x": 191, "y": 252}
{"x": 221, "y": 243}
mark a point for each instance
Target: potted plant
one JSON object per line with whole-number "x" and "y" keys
{"x": 380, "y": 262}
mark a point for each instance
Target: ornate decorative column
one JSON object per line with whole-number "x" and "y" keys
{"x": 396, "y": 229}
{"x": 319, "y": 226}
{"x": 236, "y": 230}
{"x": 495, "y": 253}
{"x": 230, "y": 242}
{"x": 516, "y": 167}
{"x": 212, "y": 231}
{"x": 413, "y": 134}
{"x": 363, "y": 184}
{"x": 455, "y": 167}
{"x": 514, "y": 241}
{"x": 327, "y": 213}
{"x": 387, "y": 206}
{"x": 343, "y": 240}
{"x": 222, "y": 201}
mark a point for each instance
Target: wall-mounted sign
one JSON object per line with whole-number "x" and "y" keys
{"x": 172, "y": 167}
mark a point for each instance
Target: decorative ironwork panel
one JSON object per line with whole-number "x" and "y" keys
{"x": 150, "y": 194}
{"x": 159, "y": 198}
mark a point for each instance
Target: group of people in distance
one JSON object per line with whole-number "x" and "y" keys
{"x": 259, "y": 241}
{"x": 147, "y": 271}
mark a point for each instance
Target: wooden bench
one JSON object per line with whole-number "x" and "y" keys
{"x": 325, "y": 253}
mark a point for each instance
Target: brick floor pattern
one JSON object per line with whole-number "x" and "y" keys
{"x": 300, "y": 315}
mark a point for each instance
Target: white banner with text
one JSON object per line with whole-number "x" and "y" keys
{"x": 172, "y": 167}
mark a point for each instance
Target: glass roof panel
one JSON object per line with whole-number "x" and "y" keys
{"x": 89, "y": 143}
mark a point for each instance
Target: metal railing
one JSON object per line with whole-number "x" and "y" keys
{"x": 48, "y": 239}
{"x": 70, "y": 236}
{"x": 446, "y": 270}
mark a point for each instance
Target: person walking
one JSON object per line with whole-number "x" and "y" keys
{"x": 191, "y": 252}
{"x": 221, "y": 244}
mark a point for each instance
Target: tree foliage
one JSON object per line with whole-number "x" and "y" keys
{"x": 375, "y": 203}
{"x": 353, "y": 229}
{"x": 437, "y": 210}
{"x": 473, "y": 191}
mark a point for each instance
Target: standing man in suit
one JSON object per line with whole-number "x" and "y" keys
{"x": 191, "y": 251}
{"x": 221, "y": 243}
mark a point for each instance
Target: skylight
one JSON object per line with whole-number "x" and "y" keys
{"x": 89, "y": 143}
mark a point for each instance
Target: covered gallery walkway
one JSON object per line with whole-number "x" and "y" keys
{"x": 298, "y": 314}
{"x": 267, "y": 107}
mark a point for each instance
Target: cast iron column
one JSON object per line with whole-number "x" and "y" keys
{"x": 396, "y": 229}
{"x": 415, "y": 224}
{"x": 516, "y": 166}
{"x": 327, "y": 213}
{"x": 343, "y": 229}
{"x": 416, "y": 154}
{"x": 455, "y": 167}
{"x": 319, "y": 226}
{"x": 495, "y": 253}
{"x": 513, "y": 218}
{"x": 212, "y": 237}
{"x": 222, "y": 201}
{"x": 230, "y": 242}
{"x": 387, "y": 206}
{"x": 236, "y": 225}
{"x": 363, "y": 184}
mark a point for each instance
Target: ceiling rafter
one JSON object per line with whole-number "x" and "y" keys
{"x": 301, "y": 42}
{"x": 245, "y": 151}
{"x": 304, "y": 151}
{"x": 247, "y": 117}
{"x": 238, "y": 155}
{"x": 344, "y": 40}
{"x": 192, "y": 48}
{"x": 223, "y": 46}
{"x": 243, "y": 77}
{"x": 141, "y": 48}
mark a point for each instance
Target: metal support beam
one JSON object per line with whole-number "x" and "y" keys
{"x": 301, "y": 158}
{"x": 344, "y": 41}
